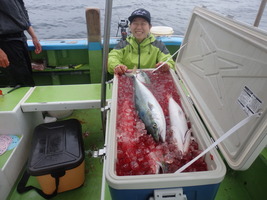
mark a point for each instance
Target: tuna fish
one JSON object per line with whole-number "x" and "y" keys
{"x": 143, "y": 77}
{"x": 179, "y": 127}
{"x": 150, "y": 111}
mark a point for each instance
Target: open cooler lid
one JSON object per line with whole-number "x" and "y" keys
{"x": 224, "y": 68}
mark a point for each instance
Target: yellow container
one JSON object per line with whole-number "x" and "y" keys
{"x": 73, "y": 178}
{"x": 58, "y": 153}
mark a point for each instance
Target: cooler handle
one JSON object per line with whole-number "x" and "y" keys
{"x": 169, "y": 194}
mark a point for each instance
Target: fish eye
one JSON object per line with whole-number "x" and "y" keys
{"x": 155, "y": 125}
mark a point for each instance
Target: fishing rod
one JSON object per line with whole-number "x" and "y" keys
{"x": 169, "y": 58}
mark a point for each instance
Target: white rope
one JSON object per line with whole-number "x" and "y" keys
{"x": 169, "y": 58}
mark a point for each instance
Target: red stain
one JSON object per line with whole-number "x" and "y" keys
{"x": 211, "y": 157}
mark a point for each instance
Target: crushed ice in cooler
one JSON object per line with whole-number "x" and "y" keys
{"x": 137, "y": 152}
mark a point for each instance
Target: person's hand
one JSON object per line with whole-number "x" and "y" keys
{"x": 120, "y": 69}
{"x": 37, "y": 45}
{"x": 163, "y": 68}
{"x": 4, "y": 62}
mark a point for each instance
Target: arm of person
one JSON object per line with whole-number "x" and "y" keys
{"x": 162, "y": 56}
{"x": 120, "y": 69}
{"x": 36, "y": 43}
{"x": 4, "y": 62}
{"x": 30, "y": 30}
{"x": 115, "y": 60}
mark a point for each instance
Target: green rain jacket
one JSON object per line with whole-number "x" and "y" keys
{"x": 144, "y": 55}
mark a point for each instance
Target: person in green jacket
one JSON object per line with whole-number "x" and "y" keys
{"x": 140, "y": 49}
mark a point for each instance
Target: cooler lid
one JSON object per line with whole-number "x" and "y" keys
{"x": 56, "y": 147}
{"x": 224, "y": 68}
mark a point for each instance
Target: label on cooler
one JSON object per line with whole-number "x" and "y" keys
{"x": 249, "y": 102}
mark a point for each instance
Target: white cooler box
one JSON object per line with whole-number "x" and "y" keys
{"x": 224, "y": 68}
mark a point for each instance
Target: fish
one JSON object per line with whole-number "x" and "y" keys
{"x": 149, "y": 110}
{"x": 140, "y": 75}
{"x": 156, "y": 163}
{"x": 143, "y": 77}
{"x": 179, "y": 127}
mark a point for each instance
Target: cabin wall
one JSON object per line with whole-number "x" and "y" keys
{"x": 65, "y": 57}
{"x": 74, "y": 61}
{"x": 60, "y": 67}
{"x": 20, "y": 124}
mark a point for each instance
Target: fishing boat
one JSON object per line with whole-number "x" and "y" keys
{"x": 72, "y": 83}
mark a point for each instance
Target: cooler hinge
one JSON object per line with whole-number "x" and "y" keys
{"x": 169, "y": 194}
{"x": 109, "y": 83}
{"x": 105, "y": 108}
{"x": 99, "y": 153}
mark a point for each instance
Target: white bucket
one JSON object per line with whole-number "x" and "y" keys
{"x": 161, "y": 30}
{"x": 59, "y": 114}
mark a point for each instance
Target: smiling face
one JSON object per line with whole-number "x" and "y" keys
{"x": 140, "y": 28}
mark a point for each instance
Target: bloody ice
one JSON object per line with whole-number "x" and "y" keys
{"x": 137, "y": 152}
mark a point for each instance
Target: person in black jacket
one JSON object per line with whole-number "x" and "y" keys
{"x": 15, "y": 62}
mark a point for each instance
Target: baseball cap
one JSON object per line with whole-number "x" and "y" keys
{"x": 140, "y": 13}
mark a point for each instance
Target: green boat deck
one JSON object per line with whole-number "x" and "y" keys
{"x": 245, "y": 185}
{"x": 91, "y": 125}
{"x": 64, "y": 97}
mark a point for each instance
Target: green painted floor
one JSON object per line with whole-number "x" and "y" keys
{"x": 248, "y": 185}
{"x": 90, "y": 120}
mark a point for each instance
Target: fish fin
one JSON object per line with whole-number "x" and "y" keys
{"x": 187, "y": 140}
{"x": 189, "y": 131}
{"x": 150, "y": 105}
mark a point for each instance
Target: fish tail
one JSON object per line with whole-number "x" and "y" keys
{"x": 133, "y": 73}
{"x": 162, "y": 168}
{"x": 169, "y": 96}
{"x": 134, "y": 70}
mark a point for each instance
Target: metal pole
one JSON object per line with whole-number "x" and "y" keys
{"x": 260, "y": 12}
{"x": 108, "y": 11}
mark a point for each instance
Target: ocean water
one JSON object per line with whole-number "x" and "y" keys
{"x": 66, "y": 18}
